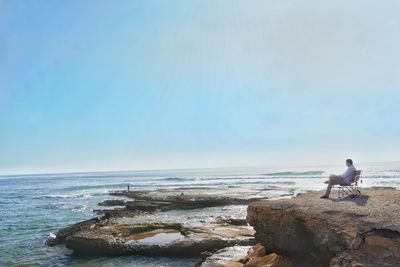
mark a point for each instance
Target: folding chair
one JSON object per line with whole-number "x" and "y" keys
{"x": 353, "y": 189}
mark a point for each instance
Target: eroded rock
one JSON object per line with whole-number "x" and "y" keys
{"x": 62, "y": 234}
{"x": 192, "y": 198}
{"x": 231, "y": 220}
{"x": 226, "y": 257}
{"x": 178, "y": 199}
{"x": 257, "y": 257}
{"x": 113, "y": 202}
{"x": 158, "y": 240}
{"x": 146, "y": 225}
{"x": 245, "y": 256}
{"x": 337, "y": 232}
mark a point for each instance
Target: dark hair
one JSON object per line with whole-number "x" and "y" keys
{"x": 349, "y": 161}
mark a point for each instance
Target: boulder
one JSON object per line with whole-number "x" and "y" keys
{"x": 226, "y": 257}
{"x": 257, "y": 257}
{"x": 245, "y": 256}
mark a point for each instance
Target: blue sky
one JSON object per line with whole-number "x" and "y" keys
{"x": 110, "y": 85}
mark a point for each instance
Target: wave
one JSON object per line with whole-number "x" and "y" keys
{"x": 66, "y": 196}
{"x": 223, "y": 183}
{"x": 178, "y": 179}
{"x": 79, "y": 208}
{"x": 294, "y": 173}
{"x": 380, "y": 176}
{"x": 53, "y": 206}
{"x": 261, "y": 177}
{"x": 98, "y": 186}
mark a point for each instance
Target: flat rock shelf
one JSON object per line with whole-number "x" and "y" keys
{"x": 154, "y": 223}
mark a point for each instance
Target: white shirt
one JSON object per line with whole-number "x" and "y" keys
{"x": 348, "y": 175}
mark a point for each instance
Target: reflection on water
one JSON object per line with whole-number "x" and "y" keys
{"x": 157, "y": 237}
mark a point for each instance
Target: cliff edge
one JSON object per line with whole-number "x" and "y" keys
{"x": 310, "y": 231}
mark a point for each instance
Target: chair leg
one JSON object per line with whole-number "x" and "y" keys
{"x": 351, "y": 191}
{"x": 347, "y": 191}
{"x": 358, "y": 190}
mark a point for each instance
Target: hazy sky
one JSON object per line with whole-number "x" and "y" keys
{"x": 107, "y": 85}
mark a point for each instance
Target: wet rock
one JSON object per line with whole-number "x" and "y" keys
{"x": 51, "y": 240}
{"x": 193, "y": 198}
{"x": 140, "y": 205}
{"x": 132, "y": 208}
{"x": 338, "y": 232}
{"x": 146, "y": 225}
{"x": 152, "y": 203}
{"x": 231, "y": 220}
{"x": 150, "y": 206}
{"x": 158, "y": 240}
{"x": 121, "y": 212}
{"x": 98, "y": 212}
{"x": 113, "y": 202}
{"x": 62, "y": 234}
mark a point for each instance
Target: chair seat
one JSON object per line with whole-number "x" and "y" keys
{"x": 352, "y": 189}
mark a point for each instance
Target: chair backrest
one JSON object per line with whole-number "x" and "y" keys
{"x": 357, "y": 176}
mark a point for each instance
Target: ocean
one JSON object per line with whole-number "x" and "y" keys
{"x": 33, "y": 207}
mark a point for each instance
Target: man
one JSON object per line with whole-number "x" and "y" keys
{"x": 346, "y": 178}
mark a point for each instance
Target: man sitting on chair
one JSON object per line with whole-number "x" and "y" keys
{"x": 346, "y": 178}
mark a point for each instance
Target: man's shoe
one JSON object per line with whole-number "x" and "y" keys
{"x": 324, "y": 196}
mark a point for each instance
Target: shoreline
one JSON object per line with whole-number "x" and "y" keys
{"x": 44, "y": 208}
{"x": 133, "y": 227}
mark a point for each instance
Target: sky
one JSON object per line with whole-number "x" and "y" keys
{"x": 130, "y": 85}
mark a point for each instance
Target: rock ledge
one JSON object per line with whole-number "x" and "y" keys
{"x": 338, "y": 232}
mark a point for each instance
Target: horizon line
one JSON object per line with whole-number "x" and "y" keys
{"x": 180, "y": 169}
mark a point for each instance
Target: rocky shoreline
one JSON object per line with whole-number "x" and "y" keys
{"x": 140, "y": 223}
{"x": 300, "y": 231}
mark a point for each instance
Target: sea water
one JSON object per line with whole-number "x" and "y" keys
{"x": 32, "y": 207}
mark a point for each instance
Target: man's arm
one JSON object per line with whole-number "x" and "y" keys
{"x": 347, "y": 173}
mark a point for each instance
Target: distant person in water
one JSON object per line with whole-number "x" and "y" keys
{"x": 346, "y": 178}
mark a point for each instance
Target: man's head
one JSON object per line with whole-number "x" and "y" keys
{"x": 349, "y": 162}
